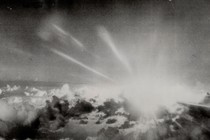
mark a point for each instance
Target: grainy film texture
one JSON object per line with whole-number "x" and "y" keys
{"x": 104, "y": 69}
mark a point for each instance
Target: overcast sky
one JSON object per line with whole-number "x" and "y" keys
{"x": 157, "y": 37}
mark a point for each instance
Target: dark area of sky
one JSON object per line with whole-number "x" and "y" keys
{"x": 157, "y": 36}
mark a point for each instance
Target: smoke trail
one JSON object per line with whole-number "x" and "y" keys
{"x": 105, "y": 36}
{"x": 60, "y": 30}
{"x": 81, "y": 64}
{"x": 75, "y": 41}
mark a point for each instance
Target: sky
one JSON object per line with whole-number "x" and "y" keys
{"x": 163, "y": 38}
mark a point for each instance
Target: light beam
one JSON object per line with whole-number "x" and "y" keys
{"x": 105, "y": 36}
{"x": 67, "y": 57}
{"x": 73, "y": 39}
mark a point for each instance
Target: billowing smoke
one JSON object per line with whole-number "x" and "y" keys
{"x": 70, "y": 112}
{"x": 24, "y": 117}
{"x": 14, "y": 117}
{"x": 8, "y": 113}
{"x": 148, "y": 94}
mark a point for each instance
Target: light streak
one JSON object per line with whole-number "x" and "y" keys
{"x": 67, "y": 57}
{"x": 73, "y": 39}
{"x": 105, "y": 36}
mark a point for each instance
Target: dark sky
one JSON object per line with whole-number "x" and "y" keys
{"x": 157, "y": 36}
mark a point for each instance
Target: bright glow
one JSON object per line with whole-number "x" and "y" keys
{"x": 148, "y": 93}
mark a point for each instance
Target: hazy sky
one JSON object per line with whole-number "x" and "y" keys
{"x": 155, "y": 37}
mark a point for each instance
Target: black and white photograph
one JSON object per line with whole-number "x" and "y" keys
{"x": 104, "y": 70}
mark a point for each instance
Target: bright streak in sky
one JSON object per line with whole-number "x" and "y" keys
{"x": 73, "y": 39}
{"x": 105, "y": 36}
{"x": 67, "y": 57}
{"x": 60, "y": 29}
